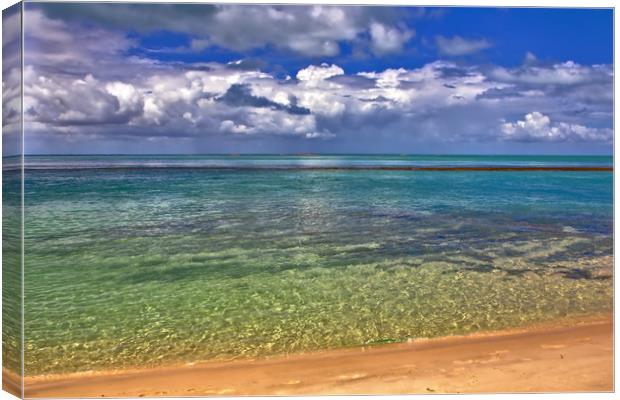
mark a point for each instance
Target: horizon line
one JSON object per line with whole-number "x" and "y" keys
{"x": 312, "y": 154}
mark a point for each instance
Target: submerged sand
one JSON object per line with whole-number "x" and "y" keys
{"x": 573, "y": 355}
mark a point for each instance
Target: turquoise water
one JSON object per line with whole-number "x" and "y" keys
{"x": 284, "y": 161}
{"x": 131, "y": 265}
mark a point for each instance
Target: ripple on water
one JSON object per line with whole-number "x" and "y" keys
{"x": 180, "y": 267}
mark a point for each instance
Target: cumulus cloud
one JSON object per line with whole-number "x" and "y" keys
{"x": 218, "y": 98}
{"x": 258, "y": 122}
{"x": 86, "y": 101}
{"x": 314, "y": 75}
{"x": 322, "y": 102}
{"x": 458, "y": 46}
{"x": 538, "y": 127}
{"x": 96, "y": 93}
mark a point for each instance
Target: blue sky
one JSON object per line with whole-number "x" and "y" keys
{"x": 584, "y": 36}
{"x": 173, "y": 78}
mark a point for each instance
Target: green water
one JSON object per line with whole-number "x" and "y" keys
{"x": 149, "y": 266}
{"x": 11, "y": 270}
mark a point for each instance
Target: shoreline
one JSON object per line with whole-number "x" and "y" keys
{"x": 571, "y": 354}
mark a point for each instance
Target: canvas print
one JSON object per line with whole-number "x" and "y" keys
{"x": 234, "y": 199}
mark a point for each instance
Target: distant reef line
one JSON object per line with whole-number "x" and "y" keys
{"x": 332, "y": 168}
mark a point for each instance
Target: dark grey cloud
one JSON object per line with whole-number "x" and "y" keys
{"x": 248, "y": 64}
{"x": 450, "y": 70}
{"x": 502, "y": 93}
{"x": 11, "y": 80}
{"x": 307, "y": 30}
{"x": 137, "y": 17}
{"x": 560, "y": 89}
{"x": 354, "y": 81}
{"x": 240, "y": 95}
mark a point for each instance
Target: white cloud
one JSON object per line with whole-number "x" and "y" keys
{"x": 389, "y": 78}
{"x": 538, "y": 127}
{"x": 458, "y": 46}
{"x": 313, "y": 75}
{"x": 313, "y": 31}
{"x": 385, "y": 39}
{"x": 84, "y": 101}
{"x": 129, "y": 99}
{"x": 262, "y": 121}
{"x": 534, "y": 122}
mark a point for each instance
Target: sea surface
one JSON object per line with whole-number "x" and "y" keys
{"x": 137, "y": 261}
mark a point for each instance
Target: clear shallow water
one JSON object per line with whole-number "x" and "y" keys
{"x": 149, "y": 266}
{"x": 11, "y": 269}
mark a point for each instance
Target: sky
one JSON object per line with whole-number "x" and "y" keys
{"x": 198, "y": 78}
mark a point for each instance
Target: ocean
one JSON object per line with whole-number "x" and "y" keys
{"x": 138, "y": 261}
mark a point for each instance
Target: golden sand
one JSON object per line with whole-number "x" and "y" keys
{"x": 570, "y": 356}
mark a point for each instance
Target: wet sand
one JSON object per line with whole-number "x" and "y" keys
{"x": 569, "y": 356}
{"x": 11, "y": 382}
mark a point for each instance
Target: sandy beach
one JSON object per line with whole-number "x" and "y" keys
{"x": 568, "y": 356}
